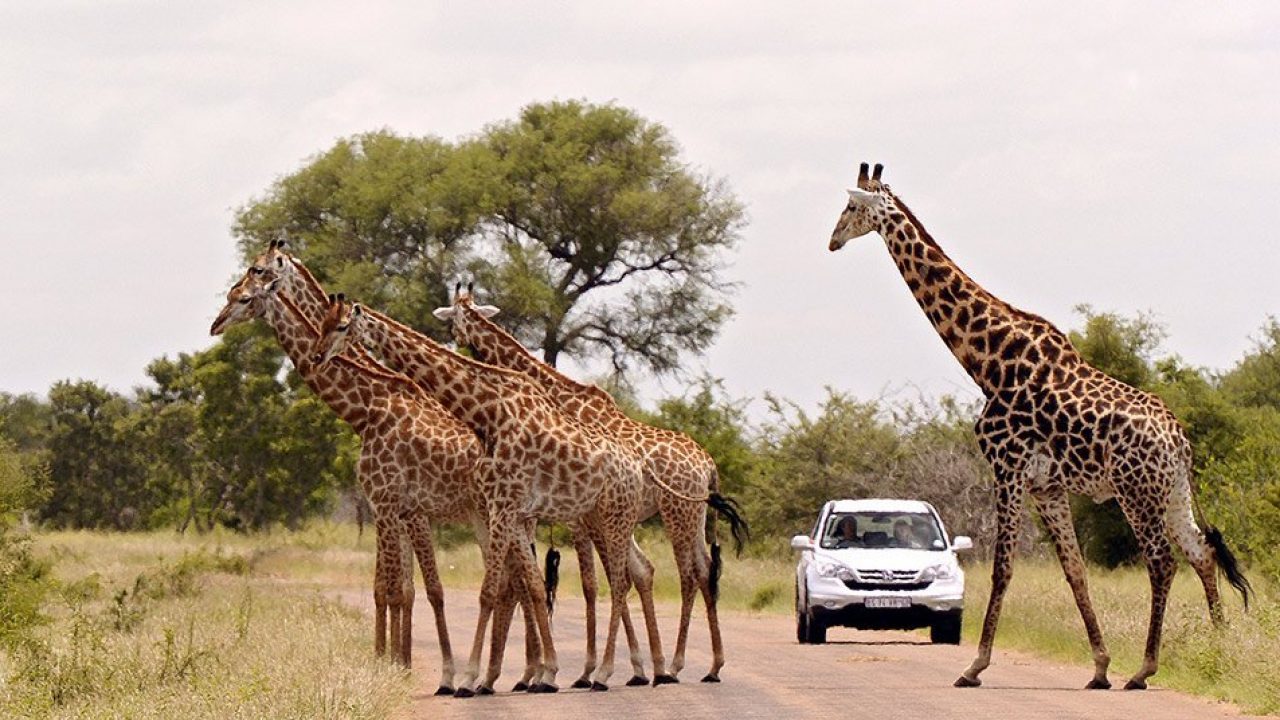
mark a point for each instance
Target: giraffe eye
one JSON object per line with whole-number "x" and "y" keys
{"x": 244, "y": 301}
{"x": 343, "y": 328}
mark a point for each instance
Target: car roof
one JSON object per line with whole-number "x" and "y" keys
{"x": 881, "y": 505}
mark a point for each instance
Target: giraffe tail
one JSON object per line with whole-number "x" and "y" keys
{"x": 1228, "y": 564}
{"x": 731, "y": 511}
{"x": 551, "y": 578}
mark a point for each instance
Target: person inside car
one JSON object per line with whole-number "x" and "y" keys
{"x": 904, "y": 536}
{"x": 846, "y": 534}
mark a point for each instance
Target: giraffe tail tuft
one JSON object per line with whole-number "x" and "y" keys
{"x": 551, "y": 578}
{"x": 1228, "y": 564}
{"x": 731, "y": 511}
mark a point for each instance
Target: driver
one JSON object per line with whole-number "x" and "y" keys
{"x": 846, "y": 531}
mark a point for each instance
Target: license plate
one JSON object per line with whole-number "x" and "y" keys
{"x": 888, "y": 602}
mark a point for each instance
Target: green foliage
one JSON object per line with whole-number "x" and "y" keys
{"x": 24, "y": 579}
{"x": 580, "y": 221}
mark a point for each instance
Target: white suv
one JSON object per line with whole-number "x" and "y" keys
{"x": 879, "y": 565}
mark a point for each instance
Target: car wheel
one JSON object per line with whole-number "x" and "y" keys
{"x": 802, "y": 620}
{"x": 945, "y": 629}
{"x": 817, "y": 630}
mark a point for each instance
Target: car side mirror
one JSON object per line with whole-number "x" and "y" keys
{"x": 801, "y": 542}
{"x": 961, "y": 542}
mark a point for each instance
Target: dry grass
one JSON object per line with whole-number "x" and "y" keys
{"x": 156, "y": 625}
{"x": 216, "y": 642}
{"x": 1236, "y": 663}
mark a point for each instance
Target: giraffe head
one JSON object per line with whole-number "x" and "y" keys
{"x": 247, "y": 299}
{"x": 340, "y": 328}
{"x": 457, "y": 313}
{"x": 867, "y": 209}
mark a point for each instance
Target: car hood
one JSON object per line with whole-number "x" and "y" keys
{"x": 885, "y": 558}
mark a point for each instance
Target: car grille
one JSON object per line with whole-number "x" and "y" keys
{"x": 886, "y": 580}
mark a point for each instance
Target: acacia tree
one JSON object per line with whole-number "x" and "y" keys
{"x": 581, "y": 221}
{"x": 610, "y": 245}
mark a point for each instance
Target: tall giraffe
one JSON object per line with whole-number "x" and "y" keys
{"x": 416, "y": 461}
{"x": 301, "y": 286}
{"x": 1052, "y": 425}
{"x": 670, "y": 458}
{"x": 542, "y": 465}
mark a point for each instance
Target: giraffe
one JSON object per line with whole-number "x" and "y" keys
{"x": 302, "y": 287}
{"x": 416, "y": 461}
{"x": 541, "y": 465}
{"x": 670, "y": 458}
{"x": 1052, "y": 425}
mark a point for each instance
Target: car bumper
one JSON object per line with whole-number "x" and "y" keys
{"x": 836, "y": 604}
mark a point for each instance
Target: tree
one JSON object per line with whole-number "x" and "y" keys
{"x": 579, "y": 220}
{"x": 22, "y": 577}
{"x": 98, "y": 479}
{"x": 610, "y": 244}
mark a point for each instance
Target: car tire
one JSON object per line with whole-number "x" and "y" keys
{"x": 817, "y": 631}
{"x": 945, "y": 629}
{"x": 802, "y": 628}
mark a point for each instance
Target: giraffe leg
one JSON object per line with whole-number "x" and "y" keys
{"x": 495, "y": 558}
{"x": 408, "y": 593}
{"x": 709, "y": 600}
{"x": 528, "y": 571}
{"x": 585, "y": 550}
{"x": 1191, "y": 541}
{"x": 641, "y": 570}
{"x": 1148, "y": 523}
{"x": 1009, "y": 494}
{"x": 532, "y": 651}
{"x": 1055, "y": 512}
{"x": 615, "y": 561}
{"x": 502, "y": 616}
{"x": 424, "y": 549}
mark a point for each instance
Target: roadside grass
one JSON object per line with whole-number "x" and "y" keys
{"x": 230, "y": 625}
{"x": 156, "y": 625}
{"x": 1236, "y": 663}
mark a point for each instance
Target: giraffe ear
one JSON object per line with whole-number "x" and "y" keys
{"x": 487, "y": 310}
{"x": 356, "y": 309}
{"x": 443, "y": 313}
{"x": 860, "y": 197}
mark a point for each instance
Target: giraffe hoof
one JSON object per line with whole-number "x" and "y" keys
{"x": 1097, "y": 684}
{"x": 444, "y": 690}
{"x": 543, "y": 688}
{"x": 637, "y": 681}
{"x": 711, "y": 678}
{"x": 581, "y": 684}
{"x": 484, "y": 690}
{"x": 463, "y": 693}
{"x": 1136, "y": 685}
{"x": 664, "y": 680}
{"x": 599, "y": 687}
{"x": 521, "y": 686}
{"x": 964, "y": 681}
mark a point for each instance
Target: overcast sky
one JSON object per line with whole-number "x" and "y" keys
{"x": 1125, "y": 155}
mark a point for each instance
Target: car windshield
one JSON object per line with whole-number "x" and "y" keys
{"x": 863, "y": 529}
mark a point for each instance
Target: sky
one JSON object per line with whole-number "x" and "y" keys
{"x": 1125, "y": 155}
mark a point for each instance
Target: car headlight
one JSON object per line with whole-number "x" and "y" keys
{"x": 943, "y": 571}
{"x": 832, "y": 569}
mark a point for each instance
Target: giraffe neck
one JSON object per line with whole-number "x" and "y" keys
{"x": 347, "y": 387}
{"x": 495, "y": 346}
{"x": 468, "y": 390}
{"x": 998, "y": 345}
{"x": 305, "y": 291}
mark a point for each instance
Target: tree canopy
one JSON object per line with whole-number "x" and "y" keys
{"x": 580, "y": 221}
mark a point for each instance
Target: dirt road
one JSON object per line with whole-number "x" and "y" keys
{"x": 768, "y": 675}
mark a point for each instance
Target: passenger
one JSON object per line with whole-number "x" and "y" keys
{"x": 904, "y": 536}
